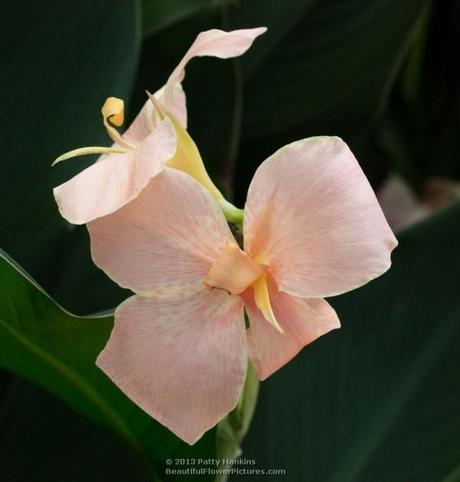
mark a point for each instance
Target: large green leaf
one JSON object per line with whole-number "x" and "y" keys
{"x": 379, "y": 399}
{"x": 59, "y": 61}
{"x": 57, "y": 350}
{"x": 332, "y": 69}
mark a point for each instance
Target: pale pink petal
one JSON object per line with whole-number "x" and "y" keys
{"x": 212, "y": 43}
{"x": 115, "y": 179}
{"x": 182, "y": 360}
{"x": 303, "y": 321}
{"x": 312, "y": 216}
{"x": 165, "y": 240}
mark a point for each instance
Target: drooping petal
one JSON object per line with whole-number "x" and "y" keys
{"x": 115, "y": 179}
{"x": 212, "y": 43}
{"x": 312, "y": 216}
{"x": 181, "y": 359}
{"x": 165, "y": 240}
{"x": 302, "y": 320}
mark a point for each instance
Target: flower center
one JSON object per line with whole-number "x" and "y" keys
{"x": 234, "y": 271}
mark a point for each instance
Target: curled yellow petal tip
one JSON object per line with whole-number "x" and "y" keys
{"x": 262, "y": 299}
{"x": 113, "y": 110}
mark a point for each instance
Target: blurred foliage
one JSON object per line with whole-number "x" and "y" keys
{"x": 57, "y": 350}
{"x": 420, "y": 131}
{"x": 57, "y": 70}
{"x": 377, "y": 400}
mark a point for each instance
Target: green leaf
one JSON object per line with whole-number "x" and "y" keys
{"x": 330, "y": 73}
{"x": 57, "y": 69}
{"x": 332, "y": 69}
{"x": 57, "y": 350}
{"x": 379, "y": 399}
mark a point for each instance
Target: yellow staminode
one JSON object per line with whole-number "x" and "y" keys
{"x": 262, "y": 299}
{"x": 113, "y": 115}
{"x": 113, "y": 110}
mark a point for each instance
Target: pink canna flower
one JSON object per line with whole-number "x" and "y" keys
{"x": 179, "y": 347}
{"x": 152, "y": 141}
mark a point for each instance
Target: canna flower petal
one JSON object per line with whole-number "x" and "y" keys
{"x": 302, "y": 321}
{"x": 115, "y": 179}
{"x": 165, "y": 240}
{"x": 182, "y": 360}
{"x": 211, "y": 43}
{"x": 312, "y": 216}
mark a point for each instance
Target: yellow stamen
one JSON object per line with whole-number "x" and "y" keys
{"x": 84, "y": 151}
{"x": 113, "y": 115}
{"x": 262, "y": 300}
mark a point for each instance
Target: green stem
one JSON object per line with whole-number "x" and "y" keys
{"x": 244, "y": 411}
{"x": 232, "y": 429}
{"x": 232, "y": 213}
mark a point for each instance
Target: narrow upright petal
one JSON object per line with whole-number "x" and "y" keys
{"x": 302, "y": 321}
{"x": 181, "y": 359}
{"x": 115, "y": 179}
{"x": 165, "y": 240}
{"x": 212, "y": 43}
{"x": 312, "y": 216}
